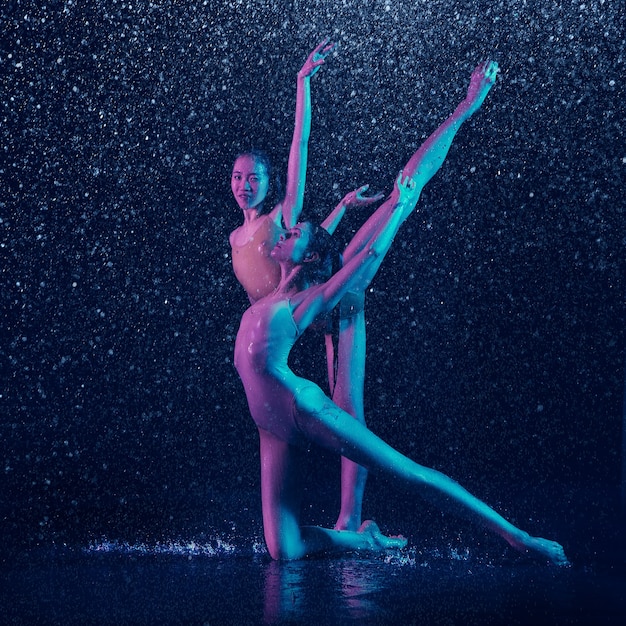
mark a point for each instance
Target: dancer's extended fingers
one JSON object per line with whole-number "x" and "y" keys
{"x": 322, "y": 50}
{"x": 368, "y": 199}
{"x": 320, "y": 46}
{"x": 360, "y": 191}
{"x": 492, "y": 70}
{"x": 379, "y": 196}
{"x": 489, "y": 69}
{"x": 409, "y": 183}
{"x": 316, "y": 58}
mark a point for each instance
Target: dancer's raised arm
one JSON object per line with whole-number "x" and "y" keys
{"x": 365, "y": 252}
{"x": 358, "y": 272}
{"x": 298, "y": 154}
{"x": 356, "y": 198}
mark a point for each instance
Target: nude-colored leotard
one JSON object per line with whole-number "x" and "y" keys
{"x": 266, "y": 335}
{"x": 254, "y": 268}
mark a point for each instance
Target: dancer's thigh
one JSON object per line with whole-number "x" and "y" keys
{"x": 321, "y": 421}
{"x": 281, "y": 489}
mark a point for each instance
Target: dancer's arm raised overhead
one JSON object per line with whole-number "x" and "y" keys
{"x": 291, "y": 206}
{"x": 365, "y": 252}
{"x": 264, "y": 214}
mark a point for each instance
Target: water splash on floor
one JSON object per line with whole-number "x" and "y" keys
{"x": 212, "y": 547}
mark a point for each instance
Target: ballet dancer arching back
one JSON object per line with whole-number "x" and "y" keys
{"x": 290, "y": 411}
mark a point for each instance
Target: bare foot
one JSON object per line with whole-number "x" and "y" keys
{"x": 482, "y": 80}
{"x": 376, "y": 541}
{"x": 543, "y": 549}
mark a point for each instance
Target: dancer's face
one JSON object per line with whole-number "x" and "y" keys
{"x": 249, "y": 182}
{"x": 293, "y": 245}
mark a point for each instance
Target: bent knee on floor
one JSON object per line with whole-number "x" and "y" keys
{"x": 281, "y": 550}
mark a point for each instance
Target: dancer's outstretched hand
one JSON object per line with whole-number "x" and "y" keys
{"x": 316, "y": 58}
{"x": 408, "y": 191}
{"x": 357, "y": 198}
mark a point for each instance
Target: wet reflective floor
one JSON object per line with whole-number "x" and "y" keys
{"x": 450, "y": 573}
{"x": 87, "y": 586}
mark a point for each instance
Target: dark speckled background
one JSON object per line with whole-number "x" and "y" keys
{"x": 495, "y": 328}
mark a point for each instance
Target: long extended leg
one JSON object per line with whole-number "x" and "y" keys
{"x": 427, "y": 160}
{"x": 348, "y": 393}
{"x": 327, "y": 425}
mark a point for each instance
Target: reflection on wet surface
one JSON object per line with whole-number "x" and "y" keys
{"x": 158, "y": 587}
